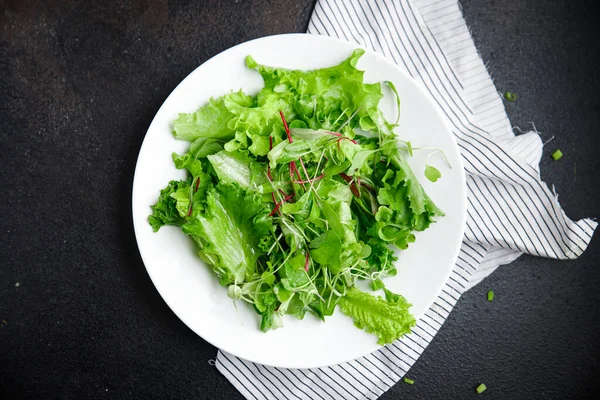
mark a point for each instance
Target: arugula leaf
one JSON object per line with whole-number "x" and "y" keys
{"x": 336, "y": 169}
{"x": 389, "y": 320}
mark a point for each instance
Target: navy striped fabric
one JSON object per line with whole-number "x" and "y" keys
{"x": 510, "y": 210}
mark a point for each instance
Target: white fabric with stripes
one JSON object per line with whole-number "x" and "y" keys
{"x": 510, "y": 211}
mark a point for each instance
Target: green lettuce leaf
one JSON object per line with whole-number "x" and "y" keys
{"x": 388, "y": 320}
{"x": 229, "y": 231}
{"x": 324, "y": 98}
{"x": 238, "y": 167}
{"x": 211, "y": 120}
{"x": 203, "y": 147}
{"x": 164, "y": 212}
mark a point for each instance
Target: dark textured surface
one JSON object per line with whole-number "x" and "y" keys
{"x": 80, "y": 85}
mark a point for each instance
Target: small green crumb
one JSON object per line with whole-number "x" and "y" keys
{"x": 481, "y": 388}
{"x": 490, "y": 295}
{"x": 409, "y": 381}
{"x": 557, "y": 155}
{"x": 510, "y": 96}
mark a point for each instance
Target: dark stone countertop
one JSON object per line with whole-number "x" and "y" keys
{"x": 79, "y": 317}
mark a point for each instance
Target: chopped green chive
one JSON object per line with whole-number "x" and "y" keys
{"x": 481, "y": 388}
{"x": 510, "y": 96}
{"x": 490, "y": 295}
{"x": 557, "y": 155}
{"x": 409, "y": 381}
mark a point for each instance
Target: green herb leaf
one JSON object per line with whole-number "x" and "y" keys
{"x": 359, "y": 159}
{"x": 293, "y": 272}
{"x": 432, "y": 173}
{"x": 393, "y": 87}
{"x": 326, "y": 249}
{"x": 377, "y": 284}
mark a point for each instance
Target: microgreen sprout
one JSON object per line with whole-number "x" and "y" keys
{"x": 393, "y": 87}
{"x": 432, "y": 173}
{"x": 191, "y": 197}
{"x": 349, "y": 119}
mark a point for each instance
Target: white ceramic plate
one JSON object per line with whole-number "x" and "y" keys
{"x": 191, "y": 289}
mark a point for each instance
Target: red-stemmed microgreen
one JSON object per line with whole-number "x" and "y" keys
{"x": 269, "y": 164}
{"x": 286, "y": 127}
{"x": 351, "y": 183}
{"x": 306, "y": 262}
{"x": 191, "y": 199}
{"x": 310, "y": 180}
{"x": 279, "y": 204}
{"x": 293, "y": 166}
{"x": 304, "y": 169}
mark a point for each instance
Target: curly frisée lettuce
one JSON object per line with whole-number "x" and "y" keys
{"x": 299, "y": 192}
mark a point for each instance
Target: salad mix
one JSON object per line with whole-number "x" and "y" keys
{"x": 294, "y": 195}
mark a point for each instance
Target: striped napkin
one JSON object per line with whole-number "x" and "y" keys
{"x": 510, "y": 210}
